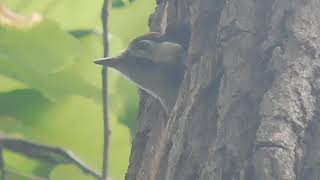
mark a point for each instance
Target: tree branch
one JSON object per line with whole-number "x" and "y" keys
{"x": 53, "y": 155}
{"x": 104, "y": 74}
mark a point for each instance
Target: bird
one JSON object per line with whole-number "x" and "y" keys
{"x": 154, "y": 64}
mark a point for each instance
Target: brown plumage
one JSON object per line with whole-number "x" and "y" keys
{"x": 152, "y": 36}
{"x": 154, "y": 64}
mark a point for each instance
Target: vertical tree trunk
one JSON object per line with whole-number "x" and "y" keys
{"x": 248, "y": 107}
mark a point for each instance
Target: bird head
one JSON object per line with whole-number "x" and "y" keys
{"x": 154, "y": 64}
{"x": 151, "y": 48}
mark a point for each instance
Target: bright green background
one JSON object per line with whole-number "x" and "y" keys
{"x": 50, "y": 88}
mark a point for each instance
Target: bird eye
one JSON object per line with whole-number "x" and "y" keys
{"x": 143, "y": 44}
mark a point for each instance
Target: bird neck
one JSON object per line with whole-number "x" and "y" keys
{"x": 162, "y": 82}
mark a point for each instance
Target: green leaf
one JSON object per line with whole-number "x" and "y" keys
{"x": 45, "y": 57}
{"x": 44, "y": 48}
{"x": 117, "y": 4}
{"x": 23, "y": 104}
{"x": 121, "y": 3}
{"x": 43, "y": 170}
{"x": 18, "y": 163}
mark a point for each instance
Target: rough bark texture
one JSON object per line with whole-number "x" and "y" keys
{"x": 249, "y": 104}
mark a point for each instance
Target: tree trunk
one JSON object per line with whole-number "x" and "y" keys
{"x": 249, "y": 104}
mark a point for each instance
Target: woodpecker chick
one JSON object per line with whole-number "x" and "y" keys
{"x": 153, "y": 64}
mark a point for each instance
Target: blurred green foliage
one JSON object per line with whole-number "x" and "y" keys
{"x": 121, "y": 3}
{"x": 50, "y": 89}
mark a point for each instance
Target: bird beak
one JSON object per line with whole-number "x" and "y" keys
{"x": 109, "y": 61}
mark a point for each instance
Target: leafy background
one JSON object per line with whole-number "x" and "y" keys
{"x": 50, "y": 89}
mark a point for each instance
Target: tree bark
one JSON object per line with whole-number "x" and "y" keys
{"x": 248, "y": 107}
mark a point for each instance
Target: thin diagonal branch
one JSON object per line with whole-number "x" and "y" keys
{"x": 104, "y": 74}
{"x": 53, "y": 155}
